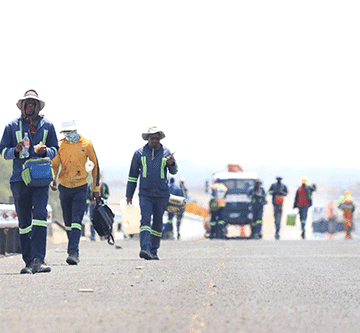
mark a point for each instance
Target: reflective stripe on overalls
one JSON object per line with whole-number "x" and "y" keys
{"x": 143, "y": 162}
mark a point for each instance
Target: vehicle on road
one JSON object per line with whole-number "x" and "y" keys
{"x": 238, "y": 205}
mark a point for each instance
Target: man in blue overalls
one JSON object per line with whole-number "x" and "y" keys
{"x": 151, "y": 163}
{"x": 30, "y": 202}
{"x": 278, "y": 192}
{"x": 257, "y": 196}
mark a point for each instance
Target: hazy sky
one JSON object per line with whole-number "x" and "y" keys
{"x": 249, "y": 82}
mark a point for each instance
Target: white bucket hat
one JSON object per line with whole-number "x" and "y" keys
{"x": 68, "y": 125}
{"x": 30, "y": 94}
{"x": 153, "y": 130}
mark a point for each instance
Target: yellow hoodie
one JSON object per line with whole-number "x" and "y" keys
{"x": 72, "y": 158}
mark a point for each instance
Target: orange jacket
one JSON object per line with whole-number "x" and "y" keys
{"x": 72, "y": 159}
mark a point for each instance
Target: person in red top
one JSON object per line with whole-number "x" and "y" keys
{"x": 303, "y": 200}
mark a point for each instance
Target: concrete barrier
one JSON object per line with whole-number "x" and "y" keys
{"x": 9, "y": 229}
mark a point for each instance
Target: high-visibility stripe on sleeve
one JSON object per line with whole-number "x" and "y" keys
{"x": 54, "y": 149}
{"x": 132, "y": 180}
{"x": 3, "y": 152}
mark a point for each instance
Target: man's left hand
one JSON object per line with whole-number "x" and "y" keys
{"x": 170, "y": 160}
{"x": 96, "y": 196}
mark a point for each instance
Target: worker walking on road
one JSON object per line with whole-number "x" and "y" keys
{"x": 278, "y": 192}
{"x": 346, "y": 204}
{"x": 73, "y": 155}
{"x": 217, "y": 205}
{"x": 303, "y": 201}
{"x": 30, "y": 202}
{"x": 257, "y": 196}
{"x": 151, "y": 163}
{"x": 168, "y": 230}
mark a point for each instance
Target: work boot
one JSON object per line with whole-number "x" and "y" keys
{"x": 277, "y": 236}
{"x": 73, "y": 258}
{"x": 27, "y": 269}
{"x": 155, "y": 256}
{"x": 303, "y": 234}
{"x": 145, "y": 254}
{"x": 39, "y": 266}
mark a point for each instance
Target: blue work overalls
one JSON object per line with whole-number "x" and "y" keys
{"x": 30, "y": 202}
{"x": 154, "y": 194}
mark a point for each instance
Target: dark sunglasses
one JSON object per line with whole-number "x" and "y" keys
{"x": 31, "y": 101}
{"x": 154, "y": 138}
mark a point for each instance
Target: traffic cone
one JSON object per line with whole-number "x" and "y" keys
{"x": 242, "y": 231}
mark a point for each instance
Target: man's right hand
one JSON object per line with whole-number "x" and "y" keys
{"x": 53, "y": 185}
{"x": 19, "y": 146}
{"x": 129, "y": 201}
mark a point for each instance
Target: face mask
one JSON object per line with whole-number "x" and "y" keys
{"x": 72, "y": 136}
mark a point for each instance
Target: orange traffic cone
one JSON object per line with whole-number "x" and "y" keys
{"x": 242, "y": 231}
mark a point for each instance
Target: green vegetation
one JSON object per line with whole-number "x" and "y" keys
{"x": 5, "y": 174}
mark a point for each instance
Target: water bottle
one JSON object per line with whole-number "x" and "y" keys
{"x": 25, "y": 151}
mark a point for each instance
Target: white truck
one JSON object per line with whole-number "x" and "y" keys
{"x": 238, "y": 208}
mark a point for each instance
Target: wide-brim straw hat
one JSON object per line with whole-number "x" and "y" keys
{"x": 69, "y": 125}
{"x": 31, "y": 94}
{"x": 153, "y": 130}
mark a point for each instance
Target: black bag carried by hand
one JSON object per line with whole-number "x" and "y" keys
{"x": 102, "y": 218}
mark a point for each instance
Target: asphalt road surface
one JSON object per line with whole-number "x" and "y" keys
{"x": 196, "y": 286}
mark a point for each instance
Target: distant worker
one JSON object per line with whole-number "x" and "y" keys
{"x": 303, "y": 200}
{"x": 346, "y": 204}
{"x": 151, "y": 163}
{"x": 257, "y": 196}
{"x": 168, "y": 227}
{"x": 278, "y": 192}
{"x": 217, "y": 204}
{"x": 104, "y": 194}
{"x": 71, "y": 160}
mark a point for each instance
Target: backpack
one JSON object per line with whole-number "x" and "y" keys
{"x": 102, "y": 218}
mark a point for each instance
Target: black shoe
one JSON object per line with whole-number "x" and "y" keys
{"x": 303, "y": 234}
{"x": 73, "y": 258}
{"x": 277, "y": 236}
{"x": 155, "y": 257}
{"x": 39, "y": 266}
{"x": 257, "y": 236}
{"x": 145, "y": 254}
{"x": 27, "y": 269}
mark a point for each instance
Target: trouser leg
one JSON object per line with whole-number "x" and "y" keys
{"x": 221, "y": 224}
{"x": 73, "y": 203}
{"x": 146, "y": 209}
{"x": 178, "y": 224}
{"x": 214, "y": 224}
{"x": 159, "y": 205}
{"x": 23, "y": 207}
{"x": 258, "y": 215}
{"x": 277, "y": 216}
{"x": 303, "y": 211}
{"x": 40, "y": 196}
{"x": 169, "y": 226}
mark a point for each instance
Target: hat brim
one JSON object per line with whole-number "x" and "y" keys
{"x": 145, "y": 136}
{"x": 68, "y": 129}
{"x": 42, "y": 103}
